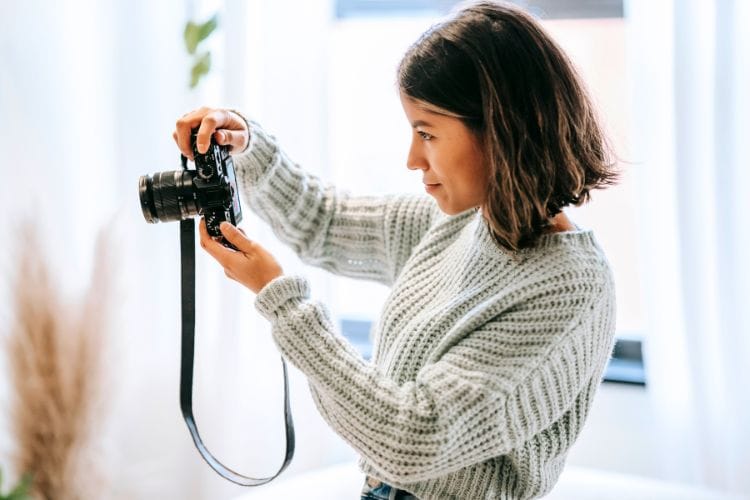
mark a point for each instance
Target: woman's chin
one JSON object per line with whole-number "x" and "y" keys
{"x": 448, "y": 209}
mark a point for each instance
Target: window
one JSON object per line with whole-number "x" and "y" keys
{"x": 545, "y": 9}
{"x": 364, "y": 110}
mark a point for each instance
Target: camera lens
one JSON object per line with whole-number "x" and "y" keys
{"x": 168, "y": 196}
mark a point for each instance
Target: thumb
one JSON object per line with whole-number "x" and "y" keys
{"x": 237, "y": 238}
{"x": 237, "y": 139}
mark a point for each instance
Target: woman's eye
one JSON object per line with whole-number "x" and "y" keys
{"x": 424, "y": 135}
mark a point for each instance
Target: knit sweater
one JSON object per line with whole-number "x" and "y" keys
{"x": 484, "y": 366}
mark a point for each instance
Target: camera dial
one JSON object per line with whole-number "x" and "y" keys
{"x": 205, "y": 172}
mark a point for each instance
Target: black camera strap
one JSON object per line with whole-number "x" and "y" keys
{"x": 187, "y": 244}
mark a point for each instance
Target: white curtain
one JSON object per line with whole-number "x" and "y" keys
{"x": 89, "y": 93}
{"x": 691, "y": 76}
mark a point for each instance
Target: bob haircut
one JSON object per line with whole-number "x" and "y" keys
{"x": 493, "y": 66}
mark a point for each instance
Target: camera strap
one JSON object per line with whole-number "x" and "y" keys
{"x": 187, "y": 245}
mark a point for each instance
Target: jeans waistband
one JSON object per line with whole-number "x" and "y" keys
{"x": 374, "y": 489}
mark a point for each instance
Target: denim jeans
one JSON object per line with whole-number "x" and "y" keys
{"x": 377, "y": 490}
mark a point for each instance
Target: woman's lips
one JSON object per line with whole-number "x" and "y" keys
{"x": 431, "y": 187}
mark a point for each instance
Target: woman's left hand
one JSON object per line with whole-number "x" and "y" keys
{"x": 251, "y": 265}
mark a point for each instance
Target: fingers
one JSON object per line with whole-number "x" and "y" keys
{"x": 211, "y": 121}
{"x": 233, "y": 235}
{"x": 218, "y": 251}
{"x": 183, "y": 128}
{"x": 237, "y": 238}
{"x": 228, "y": 129}
{"x": 251, "y": 266}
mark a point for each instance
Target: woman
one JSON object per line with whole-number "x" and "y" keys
{"x": 501, "y": 315}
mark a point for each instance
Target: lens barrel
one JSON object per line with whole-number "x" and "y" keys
{"x": 168, "y": 196}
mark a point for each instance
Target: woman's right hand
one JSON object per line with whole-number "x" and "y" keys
{"x": 228, "y": 129}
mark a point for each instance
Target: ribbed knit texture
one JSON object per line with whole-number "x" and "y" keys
{"x": 484, "y": 367}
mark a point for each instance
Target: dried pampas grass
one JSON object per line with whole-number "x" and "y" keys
{"x": 55, "y": 353}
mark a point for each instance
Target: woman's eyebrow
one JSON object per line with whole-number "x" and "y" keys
{"x": 421, "y": 123}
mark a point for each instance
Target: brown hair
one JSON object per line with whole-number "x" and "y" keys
{"x": 493, "y": 66}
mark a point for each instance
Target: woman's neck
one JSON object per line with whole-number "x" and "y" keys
{"x": 560, "y": 223}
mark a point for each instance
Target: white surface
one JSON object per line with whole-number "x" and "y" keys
{"x": 344, "y": 482}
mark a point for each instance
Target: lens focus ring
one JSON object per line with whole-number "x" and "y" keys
{"x": 168, "y": 196}
{"x": 165, "y": 196}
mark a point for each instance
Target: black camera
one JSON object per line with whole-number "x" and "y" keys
{"x": 210, "y": 190}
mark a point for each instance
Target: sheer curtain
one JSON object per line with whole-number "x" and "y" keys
{"x": 692, "y": 124}
{"x": 89, "y": 94}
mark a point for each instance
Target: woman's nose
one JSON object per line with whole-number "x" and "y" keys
{"x": 415, "y": 159}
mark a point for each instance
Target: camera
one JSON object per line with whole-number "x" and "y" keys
{"x": 209, "y": 191}
{"x": 178, "y": 195}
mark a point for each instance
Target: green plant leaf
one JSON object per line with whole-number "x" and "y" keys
{"x": 196, "y": 33}
{"x": 23, "y": 490}
{"x": 205, "y": 29}
{"x": 200, "y": 68}
{"x": 191, "y": 37}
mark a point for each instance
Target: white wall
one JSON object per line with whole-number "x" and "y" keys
{"x": 618, "y": 435}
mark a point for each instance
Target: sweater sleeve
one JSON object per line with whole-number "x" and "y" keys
{"x": 491, "y": 391}
{"x": 360, "y": 237}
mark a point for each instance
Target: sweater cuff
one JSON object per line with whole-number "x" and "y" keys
{"x": 258, "y": 157}
{"x": 280, "y": 293}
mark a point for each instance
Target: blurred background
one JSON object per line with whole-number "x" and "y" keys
{"x": 89, "y": 95}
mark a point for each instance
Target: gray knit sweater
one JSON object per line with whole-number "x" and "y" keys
{"x": 484, "y": 367}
